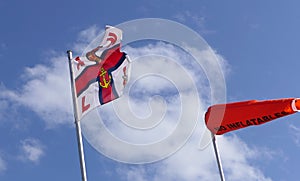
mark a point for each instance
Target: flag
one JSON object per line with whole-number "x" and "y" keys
{"x": 223, "y": 118}
{"x": 101, "y": 74}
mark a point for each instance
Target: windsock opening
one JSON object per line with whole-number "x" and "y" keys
{"x": 296, "y": 104}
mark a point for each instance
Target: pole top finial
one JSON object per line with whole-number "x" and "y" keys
{"x": 69, "y": 52}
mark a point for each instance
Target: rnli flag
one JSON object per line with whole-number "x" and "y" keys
{"x": 102, "y": 73}
{"x": 223, "y": 118}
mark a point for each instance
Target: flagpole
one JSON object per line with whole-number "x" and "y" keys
{"x": 218, "y": 157}
{"x": 77, "y": 123}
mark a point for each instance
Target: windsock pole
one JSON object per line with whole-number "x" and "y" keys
{"x": 218, "y": 157}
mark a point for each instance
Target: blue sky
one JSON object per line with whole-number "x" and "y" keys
{"x": 257, "y": 44}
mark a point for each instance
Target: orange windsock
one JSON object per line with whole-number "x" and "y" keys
{"x": 223, "y": 118}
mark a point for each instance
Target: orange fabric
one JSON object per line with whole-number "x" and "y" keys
{"x": 297, "y": 104}
{"x": 222, "y": 118}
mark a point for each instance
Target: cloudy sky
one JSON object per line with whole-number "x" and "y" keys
{"x": 249, "y": 50}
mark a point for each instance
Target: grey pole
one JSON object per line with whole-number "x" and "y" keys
{"x": 218, "y": 157}
{"x": 77, "y": 123}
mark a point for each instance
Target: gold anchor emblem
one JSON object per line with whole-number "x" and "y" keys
{"x": 103, "y": 82}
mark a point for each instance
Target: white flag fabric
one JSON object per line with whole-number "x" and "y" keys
{"x": 102, "y": 74}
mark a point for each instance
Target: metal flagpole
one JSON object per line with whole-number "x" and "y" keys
{"x": 218, "y": 157}
{"x": 77, "y": 123}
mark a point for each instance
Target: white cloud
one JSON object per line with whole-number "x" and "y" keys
{"x": 45, "y": 90}
{"x": 136, "y": 174}
{"x": 156, "y": 74}
{"x": 197, "y": 19}
{"x": 85, "y": 37}
{"x": 237, "y": 159}
{"x": 31, "y": 150}
{"x": 295, "y": 132}
{"x": 3, "y": 166}
{"x": 193, "y": 164}
{"x": 3, "y": 107}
